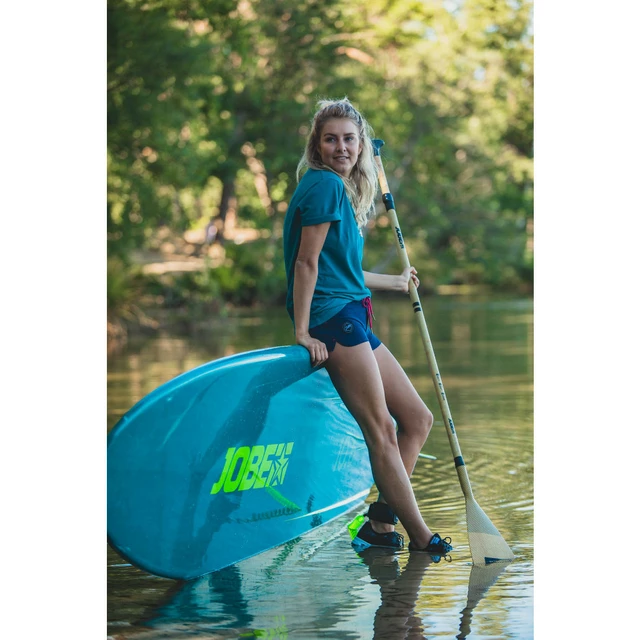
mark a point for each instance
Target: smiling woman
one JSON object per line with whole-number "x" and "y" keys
{"x": 359, "y": 178}
{"x": 340, "y": 145}
{"x": 329, "y": 301}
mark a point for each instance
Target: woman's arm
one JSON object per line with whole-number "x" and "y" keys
{"x": 385, "y": 282}
{"x": 304, "y": 283}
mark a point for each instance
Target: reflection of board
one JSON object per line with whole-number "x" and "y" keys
{"x": 313, "y": 582}
{"x": 229, "y": 460}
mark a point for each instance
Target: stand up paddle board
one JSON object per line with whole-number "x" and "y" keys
{"x": 229, "y": 460}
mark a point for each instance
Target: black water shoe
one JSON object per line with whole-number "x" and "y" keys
{"x": 437, "y": 546}
{"x": 367, "y": 538}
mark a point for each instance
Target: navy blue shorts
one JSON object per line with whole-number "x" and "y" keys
{"x": 350, "y": 326}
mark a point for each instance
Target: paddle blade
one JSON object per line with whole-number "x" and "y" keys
{"x": 486, "y": 543}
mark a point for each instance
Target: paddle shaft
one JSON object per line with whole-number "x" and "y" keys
{"x": 387, "y": 199}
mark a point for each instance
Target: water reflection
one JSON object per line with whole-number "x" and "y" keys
{"x": 396, "y": 616}
{"x": 481, "y": 578}
{"x": 247, "y": 600}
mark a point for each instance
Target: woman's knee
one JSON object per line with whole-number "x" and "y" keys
{"x": 381, "y": 434}
{"x": 427, "y": 421}
{"x": 419, "y": 425}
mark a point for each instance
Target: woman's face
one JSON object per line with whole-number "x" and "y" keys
{"x": 340, "y": 145}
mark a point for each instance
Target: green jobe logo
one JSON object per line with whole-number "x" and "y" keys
{"x": 254, "y": 467}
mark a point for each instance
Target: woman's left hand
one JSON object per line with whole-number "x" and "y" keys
{"x": 409, "y": 273}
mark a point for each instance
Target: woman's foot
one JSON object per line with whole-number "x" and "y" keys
{"x": 382, "y": 527}
{"x": 379, "y": 531}
{"x": 367, "y": 537}
{"x": 437, "y": 546}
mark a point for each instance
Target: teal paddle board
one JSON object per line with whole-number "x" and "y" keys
{"x": 229, "y": 460}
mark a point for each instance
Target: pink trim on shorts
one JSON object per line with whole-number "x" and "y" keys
{"x": 366, "y": 303}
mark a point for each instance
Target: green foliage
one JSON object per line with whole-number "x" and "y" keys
{"x": 124, "y": 289}
{"x": 207, "y": 98}
{"x": 121, "y": 284}
{"x": 253, "y": 272}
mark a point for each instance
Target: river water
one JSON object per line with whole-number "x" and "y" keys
{"x": 317, "y": 586}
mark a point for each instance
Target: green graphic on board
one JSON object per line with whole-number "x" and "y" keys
{"x": 254, "y": 467}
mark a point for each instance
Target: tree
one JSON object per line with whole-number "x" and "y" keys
{"x": 208, "y": 103}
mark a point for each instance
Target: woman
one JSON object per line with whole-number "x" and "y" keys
{"x": 329, "y": 302}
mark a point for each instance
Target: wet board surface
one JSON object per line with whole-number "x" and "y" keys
{"x": 229, "y": 460}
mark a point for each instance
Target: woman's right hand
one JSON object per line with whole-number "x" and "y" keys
{"x": 316, "y": 348}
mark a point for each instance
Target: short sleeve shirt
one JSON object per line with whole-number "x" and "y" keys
{"x": 321, "y": 197}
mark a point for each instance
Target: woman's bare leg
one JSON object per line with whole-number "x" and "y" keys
{"x": 356, "y": 375}
{"x": 412, "y": 415}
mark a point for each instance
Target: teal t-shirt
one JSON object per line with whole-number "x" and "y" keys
{"x": 321, "y": 197}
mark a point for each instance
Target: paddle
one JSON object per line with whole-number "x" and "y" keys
{"x": 485, "y": 541}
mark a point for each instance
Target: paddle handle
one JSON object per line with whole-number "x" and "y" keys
{"x": 387, "y": 199}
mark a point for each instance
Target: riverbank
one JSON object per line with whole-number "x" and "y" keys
{"x": 151, "y": 316}
{"x": 181, "y": 281}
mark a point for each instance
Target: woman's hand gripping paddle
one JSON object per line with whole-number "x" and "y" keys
{"x": 485, "y": 541}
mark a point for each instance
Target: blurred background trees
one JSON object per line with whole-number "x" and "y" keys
{"x": 209, "y": 103}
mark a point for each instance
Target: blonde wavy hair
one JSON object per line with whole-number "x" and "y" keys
{"x": 362, "y": 185}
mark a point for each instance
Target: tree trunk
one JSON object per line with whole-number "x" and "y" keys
{"x": 226, "y": 218}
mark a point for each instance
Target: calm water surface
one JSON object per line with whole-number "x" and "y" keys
{"x": 317, "y": 586}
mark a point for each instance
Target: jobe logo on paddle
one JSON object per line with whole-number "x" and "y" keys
{"x": 254, "y": 467}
